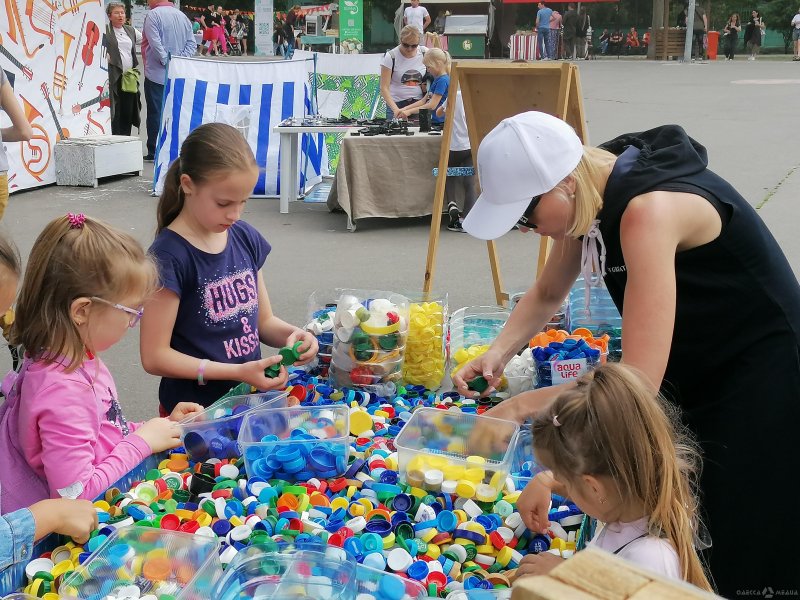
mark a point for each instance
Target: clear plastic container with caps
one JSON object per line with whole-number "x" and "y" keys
{"x": 381, "y": 585}
{"x": 296, "y": 444}
{"x": 601, "y": 318}
{"x": 523, "y": 464}
{"x": 319, "y": 321}
{"x": 370, "y": 332}
{"x": 457, "y": 453}
{"x": 214, "y": 432}
{"x": 472, "y": 331}
{"x": 324, "y": 575}
{"x": 426, "y": 348}
{"x": 158, "y": 562}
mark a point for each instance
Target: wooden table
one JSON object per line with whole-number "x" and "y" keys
{"x": 385, "y": 176}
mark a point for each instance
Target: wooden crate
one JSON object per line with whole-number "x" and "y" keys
{"x": 675, "y": 40}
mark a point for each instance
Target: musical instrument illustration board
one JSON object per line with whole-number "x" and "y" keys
{"x": 52, "y": 54}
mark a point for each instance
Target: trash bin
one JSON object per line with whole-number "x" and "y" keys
{"x": 713, "y": 45}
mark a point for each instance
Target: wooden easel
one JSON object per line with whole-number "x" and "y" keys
{"x": 493, "y": 91}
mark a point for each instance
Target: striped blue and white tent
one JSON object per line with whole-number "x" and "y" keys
{"x": 254, "y": 97}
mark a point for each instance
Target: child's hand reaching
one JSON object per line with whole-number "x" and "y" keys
{"x": 309, "y": 348}
{"x": 184, "y": 410}
{"x": 74, "y": 518}
{"x": 534, "y": 502}
{"x": 253, "y": 373}
{"x": 160, "y": 434}
{"x": 537, "y": 564}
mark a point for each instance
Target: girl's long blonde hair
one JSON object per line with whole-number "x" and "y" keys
{"x": 614, "y": 424}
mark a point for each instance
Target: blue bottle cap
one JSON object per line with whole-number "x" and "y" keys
{"x": 418, "y": 570}
{"x": 446, "y": 521}
{"x": 402, "y": 502}
{"x": 391, "y": 588}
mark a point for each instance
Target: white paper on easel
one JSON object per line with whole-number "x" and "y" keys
{"x": 330, "y": 103}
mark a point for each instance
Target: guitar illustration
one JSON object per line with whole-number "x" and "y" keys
{"x": 63, "y": 134}
{"x": 104, "y": 99}
{"x": 25, "y": 70}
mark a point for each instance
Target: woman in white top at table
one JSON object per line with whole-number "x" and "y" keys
{"x": 403, "y": 72}
{"x": 121, "y": 39}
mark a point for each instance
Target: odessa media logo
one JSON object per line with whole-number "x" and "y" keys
{"x": 467, "y": 44}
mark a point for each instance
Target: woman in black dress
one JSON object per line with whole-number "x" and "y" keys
{"x": 710, "y": 308}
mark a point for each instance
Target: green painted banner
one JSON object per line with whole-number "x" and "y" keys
{"x": 351, "y": 26}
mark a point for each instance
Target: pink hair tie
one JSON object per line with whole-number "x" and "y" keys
{"x": 76, "y": 220}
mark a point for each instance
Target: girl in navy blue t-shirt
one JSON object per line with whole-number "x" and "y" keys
{"x": 437, "y": 63}
{"x": 202, "y": 332}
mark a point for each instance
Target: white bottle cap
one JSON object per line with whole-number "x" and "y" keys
{"x": 514, "y": 520}
{"x": 399, "y": 560}
{"x": 449, "y": 486}
{"x": 472, "y": 509}
{"x": 434, "y": 477}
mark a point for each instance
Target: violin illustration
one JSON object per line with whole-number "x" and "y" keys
{"x": 87, "y": 51}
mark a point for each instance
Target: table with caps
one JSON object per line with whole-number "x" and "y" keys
{"x": 385, "y": 176}
{"x": 368, "y": 511}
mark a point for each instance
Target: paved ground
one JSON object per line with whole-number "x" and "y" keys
{"x": 744, "y": 112}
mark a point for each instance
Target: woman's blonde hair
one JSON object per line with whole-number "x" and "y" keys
{"x": 588, "y": 197}
{"x": 439, "y": 57}
{"x": 72, "y": 259}
{"x": 409, "y": 33}
{"x": 614, "y": 424}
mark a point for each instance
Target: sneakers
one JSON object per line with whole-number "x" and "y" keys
{"x": 455, "y": 219}
{"x": 149, "y": 158}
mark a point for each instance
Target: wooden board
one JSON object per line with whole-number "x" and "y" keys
{"x": 493, "y": 91}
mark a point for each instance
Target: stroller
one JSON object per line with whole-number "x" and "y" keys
{"x": 234, "y": 46}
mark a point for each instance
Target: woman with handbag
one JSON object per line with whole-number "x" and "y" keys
{"x": 123, "y": 78}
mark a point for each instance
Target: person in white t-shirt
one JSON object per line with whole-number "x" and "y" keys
{"x": 460, "y": 156}
{"x": 796, "y": 34}
{"x": 417, "y": 16}
{"x": 403, "y": 72}
{"x": 618, "y": 450}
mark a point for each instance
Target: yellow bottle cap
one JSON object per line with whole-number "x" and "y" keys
{"x": 465, "y": 489}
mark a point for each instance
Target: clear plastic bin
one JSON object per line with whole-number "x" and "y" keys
{"x": 319, "y": 319}
{"x": 380, "y": 585}
{"x": 369, "y": 352}
{"x": 523, "y": 464}
{"x": 603, "y": 318}
{"x": 473, "y": 325}
{"x": 213, "y": 433}
{"x": 157, "y": 561}
{"x": 296, "y": 444}
{"x": 439, "y": 448}
{"x": 254, "y": 574}
{"x": 426, "y": 352}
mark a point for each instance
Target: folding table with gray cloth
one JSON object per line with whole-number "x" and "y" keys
{"x": 385, "y": 176}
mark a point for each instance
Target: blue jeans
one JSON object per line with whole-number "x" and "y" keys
{"x": 543, "y": 43}
{"x": 153, "y": 95}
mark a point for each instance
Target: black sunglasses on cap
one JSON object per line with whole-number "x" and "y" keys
{"x": 525, "y": 219}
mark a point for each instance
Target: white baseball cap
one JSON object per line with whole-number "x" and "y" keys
{"x": 524, "y": 156}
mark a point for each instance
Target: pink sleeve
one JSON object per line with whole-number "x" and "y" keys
{"x": 75, "y": 464}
